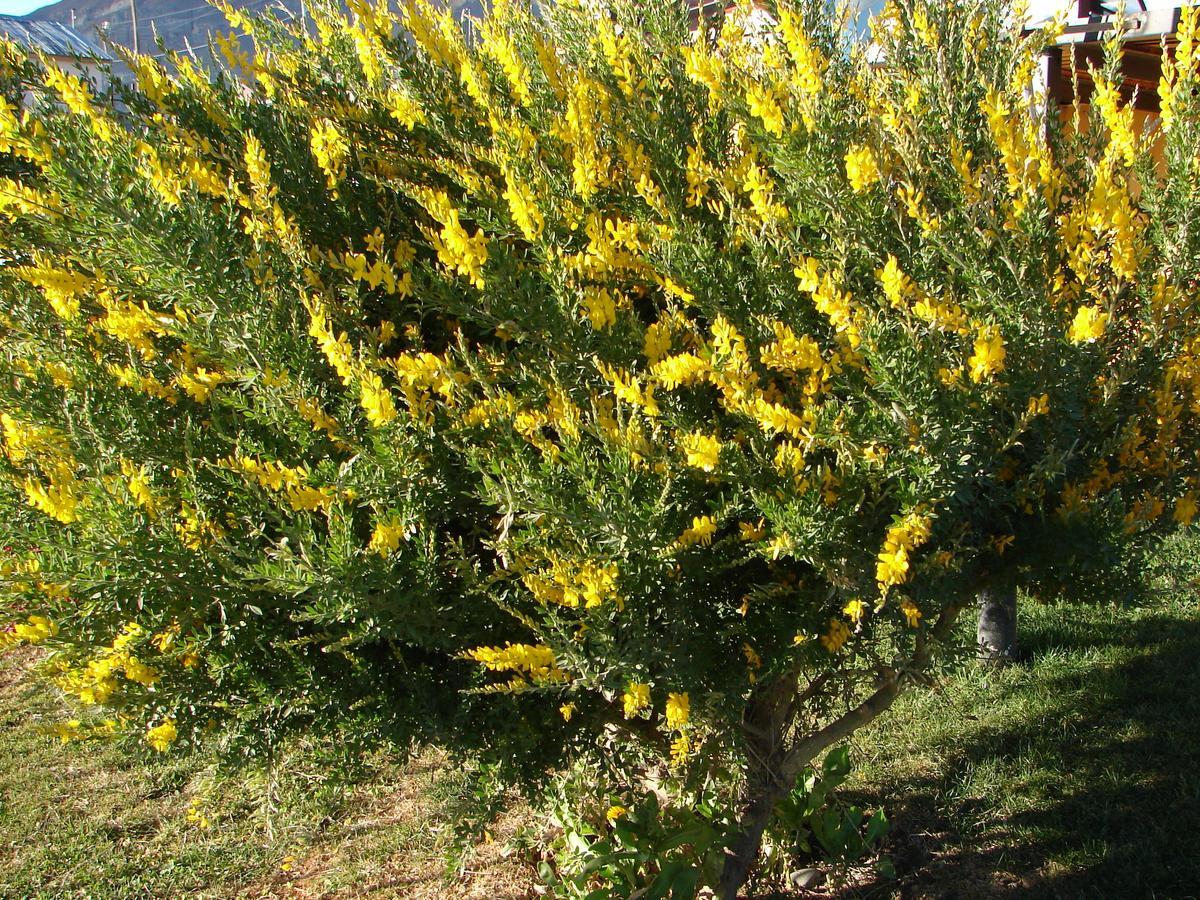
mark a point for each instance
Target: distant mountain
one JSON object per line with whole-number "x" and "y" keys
{"x": 178, "y": 24}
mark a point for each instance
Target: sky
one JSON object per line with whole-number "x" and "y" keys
{"x": 20, "y": 7}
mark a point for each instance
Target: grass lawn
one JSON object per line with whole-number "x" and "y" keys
{"x": 1076, "y": 774}
{"x": 89, "y": 821}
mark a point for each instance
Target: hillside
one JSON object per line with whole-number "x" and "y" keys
{"x": 177, "y": 24}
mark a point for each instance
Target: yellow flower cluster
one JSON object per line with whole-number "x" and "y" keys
{"x": 836, "y": 636}
{"x": 702, "y": 451}
{"x": 910, "y": 533}
{"x": 459, "y": 251}
{"x": 96, "y": 683}
{"x": 139, "y": 487}
{"x": 386, "y": 538}
{"x": 678, "y": 710}
{"x": 1179, "y": 70}
{"x": 195, "y": 529}
{"x": 291, "y": 482}
{"x": 895, "y": 284}
{"x": 161, "y": 737}
{"x": 684, "y": 368}
{"x": 988, "y": 356}
{"x": 62, "y": 287}
{"x": 598, "y": 306}
{"x": 635, "y": 699}
{"x": 700, "y": 532}
{"x": 76, "y": 96}
{"x": 789, "y": 353}
{"x": 33, "y": 630}
{"x": 133, "y": 324}
{"x": 575, "y": 584}
{"x": 1088, "y": 325}
{"x": 535, "y": 661}
{"x": 59, "y": 499}
{"x": 330, "y": 149}
{"x": 1030, "y": 168}
{"x": 200, "y": 382}
{"x": 764, "y": 102}
{"x": 862, "y": 169}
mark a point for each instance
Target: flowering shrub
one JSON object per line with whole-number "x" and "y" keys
{"x": 589, "y": 387}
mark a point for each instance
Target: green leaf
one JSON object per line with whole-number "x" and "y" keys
{"x": 666, "y": 878}
{"x": 685, "y": 884}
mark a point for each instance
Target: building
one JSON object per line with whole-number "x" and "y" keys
{"x": 62, "y": 46}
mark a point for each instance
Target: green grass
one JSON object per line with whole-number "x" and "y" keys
{"x": 92, "y": 821}
{"x": 1074, "y": 774}
{"x": 80, "y": 821}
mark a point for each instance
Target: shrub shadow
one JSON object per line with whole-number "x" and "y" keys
{"x": 1120, "y": 815}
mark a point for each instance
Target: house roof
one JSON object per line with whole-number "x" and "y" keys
{"x": 1147, "y": 35}
{"x": 52, "y": 38}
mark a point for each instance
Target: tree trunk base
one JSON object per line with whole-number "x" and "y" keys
{"x": 997, "y": 631}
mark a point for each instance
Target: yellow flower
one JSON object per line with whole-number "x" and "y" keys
{"x": 657, "y": 343}
{"x": 681, "y": 746}
{"x": 68, "y": 731}
{"x": 524, "y": 211}
{"x": 862, "y": 169}
{"x": 59, "y": 501}
{"x": 535, "y": 660}
{"x": 912, "y": 615}
{"x": 1185, "y": 509}
{"x": 196, "y": 816}
{"x": 988, "y": 358}
{"x": 566, "y": 711}
{"x": 910, "y": 533}
{"x": 681, "y": 369}
{"x": 385, "y": 539}
{"x": 678, "y": 709}
{"x": 330, "y": 149}
{"x": 636, "y": 698}
{"x": 1088, "y": 325}
{"x": 837, "y": 635}
{"x": 137, "y": 671}
{"x": 404, "y": 109}
{"x": 161, "y": 737}
{"x": 764, "y": 104}
{"x": 376, "y": 400}
{"x": 703, "y": 451}
{"x": 599, "y": 307}
{"x": 573, "y": 584}
{"x": 61, "y": 287}
{"x": 615, "y": 812}
{"x": 896, "y": 285}
{"x": 751, "y": 533}
{"x": 34, "y": 630}
{"x": 199, "y": 384}
{"x": 855, "y": 609}
{"x": 702, "y": 531}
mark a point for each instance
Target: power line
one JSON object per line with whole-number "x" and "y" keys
{"x": 204, "y": 6}
{"x": 208, "y": 44}
{"x": 207, "y": 9}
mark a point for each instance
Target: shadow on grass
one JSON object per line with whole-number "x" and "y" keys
{"x": 1087, "y": 785}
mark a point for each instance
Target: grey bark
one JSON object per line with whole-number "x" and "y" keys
{"x": 773, "y": 768}
{"x": 997, "y": 631}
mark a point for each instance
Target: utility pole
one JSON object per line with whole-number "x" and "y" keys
{"x": 133, "y": 16}
{"x": 72, "y": 20}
